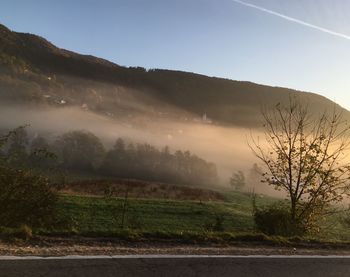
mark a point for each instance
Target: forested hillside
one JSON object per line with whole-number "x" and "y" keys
{"x": 34, "y": 71}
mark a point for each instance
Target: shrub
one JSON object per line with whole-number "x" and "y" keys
{"x": 276, "y": 220}
{"x": 25, "y": 199}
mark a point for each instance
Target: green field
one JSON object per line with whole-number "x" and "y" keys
{"x": 95, "y": 216}
{"x": 101, "y": 215}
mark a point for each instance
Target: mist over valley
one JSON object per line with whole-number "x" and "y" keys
{"x": 56, "y": 91}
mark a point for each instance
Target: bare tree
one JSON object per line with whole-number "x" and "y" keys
{"x": 304, "y": 155}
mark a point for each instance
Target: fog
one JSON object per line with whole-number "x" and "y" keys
{"x": 225, "y": 146}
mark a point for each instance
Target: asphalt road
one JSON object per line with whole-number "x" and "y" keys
{"x": 218, "y": 266}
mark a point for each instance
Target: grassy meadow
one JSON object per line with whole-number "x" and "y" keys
{"x": 170, "y": 219}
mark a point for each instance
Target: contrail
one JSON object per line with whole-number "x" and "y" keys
{"x": 292, "y": 19}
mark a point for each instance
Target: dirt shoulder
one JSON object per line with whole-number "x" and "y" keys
{"x": 46, "y": 246}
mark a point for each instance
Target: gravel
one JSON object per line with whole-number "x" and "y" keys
{"x": 85, "y": 246}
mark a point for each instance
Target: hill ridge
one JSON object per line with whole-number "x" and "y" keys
{"x": 27, "y": 60}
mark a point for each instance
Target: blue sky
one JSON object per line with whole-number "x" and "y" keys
{"x": 215, "y": 37}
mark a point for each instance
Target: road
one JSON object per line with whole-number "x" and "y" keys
{"x": 148, "y": 265}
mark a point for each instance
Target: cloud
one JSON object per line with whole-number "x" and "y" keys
{"x": 292, "y": 19}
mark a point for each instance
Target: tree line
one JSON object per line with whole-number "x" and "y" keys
{"x": 81, "y": 152}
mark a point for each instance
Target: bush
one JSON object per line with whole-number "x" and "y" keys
{"x": 276, "y": 220}
{"x": 25, "y": 199}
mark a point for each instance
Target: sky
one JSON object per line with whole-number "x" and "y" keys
{"x": 300, "y": 44}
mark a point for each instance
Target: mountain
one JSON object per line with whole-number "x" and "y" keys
{"x": 35, "y": 72}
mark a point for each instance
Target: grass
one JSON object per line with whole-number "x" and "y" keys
{"x": 98, "y": 216}
{"x": 335, "y": 226}
{"x": 192, "y": 221}
{"x": 101, "y": 215}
